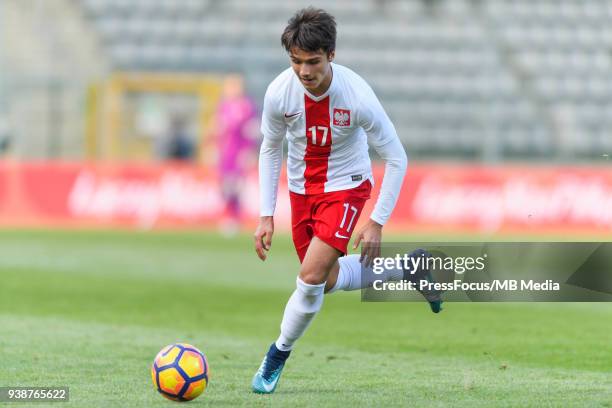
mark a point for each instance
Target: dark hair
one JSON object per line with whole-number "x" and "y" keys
{"x": 311, "y": 30}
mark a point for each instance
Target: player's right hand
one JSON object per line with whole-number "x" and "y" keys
{"x": 263, "y": 236}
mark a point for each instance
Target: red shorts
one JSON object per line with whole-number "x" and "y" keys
{"x": 331, "y": 217}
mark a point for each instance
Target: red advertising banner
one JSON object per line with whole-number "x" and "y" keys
{"x": 508, "y": 199}
{"x": 435, "y": 198}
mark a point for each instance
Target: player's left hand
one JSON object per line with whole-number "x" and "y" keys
{"x": 370, "y": 234}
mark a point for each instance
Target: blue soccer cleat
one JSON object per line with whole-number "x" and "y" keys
{"x": 434, "y": 297}
{"x": 266, "y": 378}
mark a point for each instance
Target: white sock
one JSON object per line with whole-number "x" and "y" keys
{"x": 301, "y": 308}
{"x": 351, "y": 276}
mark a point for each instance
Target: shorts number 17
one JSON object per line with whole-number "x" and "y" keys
{"x": 353, "y": 209}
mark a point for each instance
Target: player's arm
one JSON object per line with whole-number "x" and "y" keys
{"x": 273, "y": 129}
{"x": 383, "y": 138}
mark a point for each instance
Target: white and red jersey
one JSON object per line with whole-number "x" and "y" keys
{"x": 327, "y": 140}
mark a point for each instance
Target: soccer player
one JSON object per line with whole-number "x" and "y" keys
{"x": 328, "y": 114}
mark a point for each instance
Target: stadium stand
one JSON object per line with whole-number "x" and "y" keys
{"x": 49, "y": 58}
{"x": 493, "y": 80}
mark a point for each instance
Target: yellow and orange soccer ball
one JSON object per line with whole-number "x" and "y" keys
{"x": 180, "y": 372}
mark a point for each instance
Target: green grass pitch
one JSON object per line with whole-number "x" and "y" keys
{"x": 90, "y": 310}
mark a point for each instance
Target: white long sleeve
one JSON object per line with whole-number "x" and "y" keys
{"x": 273, "y": 129}
{"x": 383, "y": 138}
{"x": 270, "y": 164}
{"x": 396, "y": 163}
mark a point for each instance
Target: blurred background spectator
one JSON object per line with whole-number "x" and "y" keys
{"x": 5, "y": 136}
{"x": 179, "y": 144}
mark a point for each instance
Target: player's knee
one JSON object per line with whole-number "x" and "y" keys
{"x": 311, "y": 276}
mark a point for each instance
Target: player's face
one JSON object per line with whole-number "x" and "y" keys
{"x": 313, "y": 69}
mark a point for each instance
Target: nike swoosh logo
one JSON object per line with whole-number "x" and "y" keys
{"x": 341, "y": 236}
{"x": 267, "y": 386}
{"x": 292, "y": 115}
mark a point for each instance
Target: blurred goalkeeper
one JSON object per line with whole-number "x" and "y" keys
{"x": 328, "y": 114}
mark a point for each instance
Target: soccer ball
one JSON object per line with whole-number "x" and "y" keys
{"x": 180, "y": 372}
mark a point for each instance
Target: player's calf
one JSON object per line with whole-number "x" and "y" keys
{"x": 301, "y": 308}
